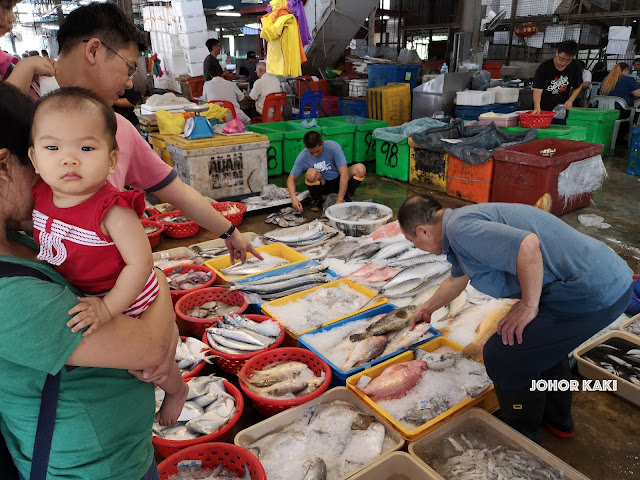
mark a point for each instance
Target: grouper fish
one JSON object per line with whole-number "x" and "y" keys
{"x": 391, "y": 322}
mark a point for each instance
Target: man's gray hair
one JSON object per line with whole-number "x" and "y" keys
{"x": 418, "y": 210}
{"x": 261, "y": 66}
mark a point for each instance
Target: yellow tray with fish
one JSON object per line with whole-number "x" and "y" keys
{"x": 487, "y": 400}
{"x": 276, "y": 424}
{"x": 276, "y": 249}
{"x": 474, "y": 422}
{"x": 293, "y": 336}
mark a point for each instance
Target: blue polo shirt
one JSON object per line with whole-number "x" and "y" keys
{"x": 327, "y": 164}
{"x": 581, "y": 274}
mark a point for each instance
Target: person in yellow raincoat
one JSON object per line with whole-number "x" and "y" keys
{"x": 280, "y": 29}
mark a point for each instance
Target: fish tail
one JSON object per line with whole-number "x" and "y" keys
{"x": 358, "y": 337}
{"x": 245, "y": 379}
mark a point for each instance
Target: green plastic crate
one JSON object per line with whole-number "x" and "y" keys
{"x": 564, "y": 132}
{"x": 275, "y": 151}
{"x": 599, "y": 124}
{"x": 364, "y": 145}
{"x": 342, "y": 133}
{"x": 291, "y": 142}
{"x": 392, "y": 159}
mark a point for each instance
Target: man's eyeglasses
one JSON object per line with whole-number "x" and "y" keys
{"x": 132, "y": 68}
{"x": 564, "y": 59}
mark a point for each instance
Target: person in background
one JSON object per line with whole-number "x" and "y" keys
{"x": 44, "y": 52}
{"x": 635, "y": 73}
{"x": 252, "y": 67}
{"x": 557, "y": 80}
{"x": 212, "y": 67}
{"x": 266, "y": 84}
{"x": 620, "y": 84}
{"x": 34, "y": 53}
{"x": 585, "y": 88}
{"x": 325, "y": 171}
{"x": 599, "y": 72}
{"x": 126, "y": 104}
{"x": 220, "y": 89}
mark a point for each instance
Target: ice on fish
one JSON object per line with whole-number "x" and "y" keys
{"x": 284, "y": 380}
{"x": 253, "y": 266}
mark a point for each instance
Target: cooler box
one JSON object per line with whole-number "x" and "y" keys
{"x": 274, "y": 151}
{"x": 364, "y": 145}
{"x": 522, "y": 175}
{"x": 468, "y": 181}
{"x": 392, "y": 159}
{"x": 633, "y": 165}
{"x": 473, "y": 113}
{"x": 599, "y": 124}
{"x": 428, "y": 169}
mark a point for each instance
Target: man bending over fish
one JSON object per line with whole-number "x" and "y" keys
{"x": 570, "y": 287}
{"x": 326, "y": 172}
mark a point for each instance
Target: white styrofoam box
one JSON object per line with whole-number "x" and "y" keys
{"x": 174, "y": 41}
{"x": 185, "y": 8}
{"x": 192, "y": 23}
{"x": 173, "y": 26}
{"x": 475, "y": 98}
{"x": 223, "y": 171}
{"x": 195, "y": 55}
{"x": 358, "y": 88}
{"x": 193, "y": 39}
{"x": 195, "y": 69}
{"x": 505, "y": 94}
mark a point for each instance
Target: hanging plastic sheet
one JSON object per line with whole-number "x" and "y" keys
{"x": 285, "y": 52}
{"x": 297, "y": 9}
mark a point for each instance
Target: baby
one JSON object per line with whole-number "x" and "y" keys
{"x": 86, "y": 228}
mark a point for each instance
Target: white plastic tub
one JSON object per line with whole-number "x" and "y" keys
{"x": 503, "y": 120}
{"x": 340, "y": 215}
{"x": 505, "y": 95}
{"x": 475, "y": 98}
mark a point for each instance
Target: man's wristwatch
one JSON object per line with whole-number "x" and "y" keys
{"x": 228, "y": 233}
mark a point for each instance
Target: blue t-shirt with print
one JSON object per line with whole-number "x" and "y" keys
{"x": 327, "y": 164}
{"x": 624, "y": 86}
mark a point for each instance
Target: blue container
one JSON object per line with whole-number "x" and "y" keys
{"x": 382, "y": 74}
{"x": 633, "y": 165}
{"x": 636, "y": 286}
{"x": 340, "y": 376}
{"x": 350, "y": 107}
{"x": 633, "y": 308}
{"x": 473, "y": 113}
{"x": 409, "y": 74}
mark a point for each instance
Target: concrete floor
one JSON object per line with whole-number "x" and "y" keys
{"x": 607, "y": 441}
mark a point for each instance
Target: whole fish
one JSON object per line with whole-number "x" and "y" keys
{"x": 458, "y": 304}
{"x": 243, "y": 334}
{"x": 293, "y": 385}
{"x": 315, "y": 469}
{"x": 295, "y": 234}
{"x": 285, "y": 293}
{"x": 392, "y": 250}
{"x": 239, "y": 346}
{"x": 269, "y": 328}
{"x": 382, "y": 275}
{"x": 405, "y": 338}
{"x": 412, "y": 277}
{"x": 399, "y": 261}
{"x": 485, "y": 330}
{"x": 300, "y": 272}
{"x": 391, "y": 322}
{"x": 254, "y": 265}
{"x": 343, "y": 250}
{"x": 395, "y": 381}
{"x": 365, "y": 351}
{"x": 275, "y": 373}
{"x": 366, "y": 251}
{"x": 389, "y": 230}
{"x": 274, "y": 287}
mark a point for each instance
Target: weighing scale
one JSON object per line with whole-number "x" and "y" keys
{"x": 197, "y": 126}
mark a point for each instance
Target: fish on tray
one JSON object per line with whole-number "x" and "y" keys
{"x": 395, "y": 381}
{"x": 387, "y": 231}
{"x": 282, "y": 380}
{"x": 411, "y": 279}
{"x": 218, "y": 473}
{"x": 184, "y": 278}
{"x": 374, "y": 273}
{"x": 344, "y": 250}
{"x": 239, "y": 334}
{"x": 254, "y": 265}
{"x": 391, "y": 322}
{"x": 212, "y": 309}
{"x": 286, "y": 217}
{"x": 633, "y": 328}
{"x": 618, "y": 357}
{"x": 276, "y": 286}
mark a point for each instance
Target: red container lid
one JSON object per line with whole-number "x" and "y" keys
{"x": 567, "y": 151}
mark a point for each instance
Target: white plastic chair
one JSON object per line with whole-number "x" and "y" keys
{"x": 606, "y": 102}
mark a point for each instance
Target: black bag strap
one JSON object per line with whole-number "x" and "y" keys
{"x": 50, "y": 391}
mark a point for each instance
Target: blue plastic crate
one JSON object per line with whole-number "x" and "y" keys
{"x": 339, "y": 376}
{"x": 633, "y": 165}
{"x": 473, "y": 113}
{"x": 382, "y": 74}
{"x": 409, "y": 74}
{"x": 350, "y": 107}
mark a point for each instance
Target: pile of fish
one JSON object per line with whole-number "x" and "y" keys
{"x": 218, "y": 473}
{"x": 303, "y": 236}
{"x": 363, "y": 341}
{"x": 283, "y": 380}
{"x": 329, "y": 442}
{"x": 270, "y": 197}
{"x": 417, "y": 391}
{"x": 357, "y": 213}
{"x": 239, "y": 334}
{"x": 190, "y": 353}
{"x": 221, "y": 251}
{"x": 253, "y": 266}
{"x": 278, "y": 286}
{"x": 633, "y": 328}
{"x": 213, "y": 309}
{"x": 208, "y": 407}
{"x": 230, "y": 210}
{"x": 618, "y": 357}
{"x": 150, "y": 230}
{"x": 286, "y": 217}
{"x": 175, "y": 219}
{"x": 184, "y": 278}
{"x": 318, "y": 307}
{"x": 479, "y": 462}
{"x": 170, "y": 260}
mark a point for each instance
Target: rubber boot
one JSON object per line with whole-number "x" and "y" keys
{"x": 315, "y": 189}
{"x": 523, "y": 411}
{"x": 354, "y": 183}
{"x": 557, "y": 411}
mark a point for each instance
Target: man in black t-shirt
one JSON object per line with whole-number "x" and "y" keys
{"x": 558, "y": 80}
{"x": 211, "y": 67}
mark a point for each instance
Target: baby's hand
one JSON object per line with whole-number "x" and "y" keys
{"x": 90, "y": 311}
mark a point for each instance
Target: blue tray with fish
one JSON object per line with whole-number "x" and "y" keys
{"x": 340, "y": 376}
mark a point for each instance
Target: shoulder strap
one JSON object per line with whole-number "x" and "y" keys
{"x": 50, "y": 391}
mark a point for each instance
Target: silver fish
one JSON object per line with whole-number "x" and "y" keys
{"x": 392, "y": 250}
{"x": 315, "y": 469}
{"x": 299, "y": 234}
{"x": 269, "y": 328}
{"x": 276, "y": 287}
{"x": 241, "y": 334}
{"x": 365, "y": 351}
{"x": 232, "y": 344}
{"x": 343, "y": 250}
{"x": 391, "y": 322}
{"x": 254, "y": 265}
{"x": 239, "y": 285}
{"x": 366, "y": 251}
{"x": 413, "y": 276}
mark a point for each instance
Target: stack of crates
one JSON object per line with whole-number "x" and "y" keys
{"x": 385, "y": 73}
{"x": 342, "y": 133}
{"x": 599, "y": 123}
{"x": 275, "y": 150}
{"x": 391, "y": 103}
{"x": 364, "y": 145}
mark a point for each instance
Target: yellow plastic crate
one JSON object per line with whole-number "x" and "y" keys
{"x": 217, "y": 140}
{"x": 159, "y": 145}
{"x": 296, "y": 296}
{"x": 391, "y": 103}
{"x": 428, "y": 169}
{"x": 487, "y": 400}
{"x": 276, "y": 249}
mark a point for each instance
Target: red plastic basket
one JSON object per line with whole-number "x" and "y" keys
{"x": 152, "y": 212}
{"x": 211, "y": 455}
{"x": 536, "y": 120}
{"x": 197, "y": 326}
{"x": 269, "y": 406}
{"x": 235, "y": 218}
{"x": 193, "y": 373}
{"x": 178, "y": 294}
{"x": 154, "y": 238}
{"x": 168, "y": 447}
{"x": 232, "y": 363}
{"x": 178, "y": 230}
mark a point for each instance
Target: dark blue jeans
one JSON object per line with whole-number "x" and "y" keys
{"x": 549, "y": 338}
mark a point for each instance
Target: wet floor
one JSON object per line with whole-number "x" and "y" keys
{"x": 607, "y": 443}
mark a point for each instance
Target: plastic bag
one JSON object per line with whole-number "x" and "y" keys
{"x": 170, "y": 123}
{"x": 481, "y": 80}
{"x": 234, "y": 126}
{"x": 330, "y": 200}
{"x": 309, "y": 123}
{"x": 406, "y": 130}
{"x": 561, "y": 112}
